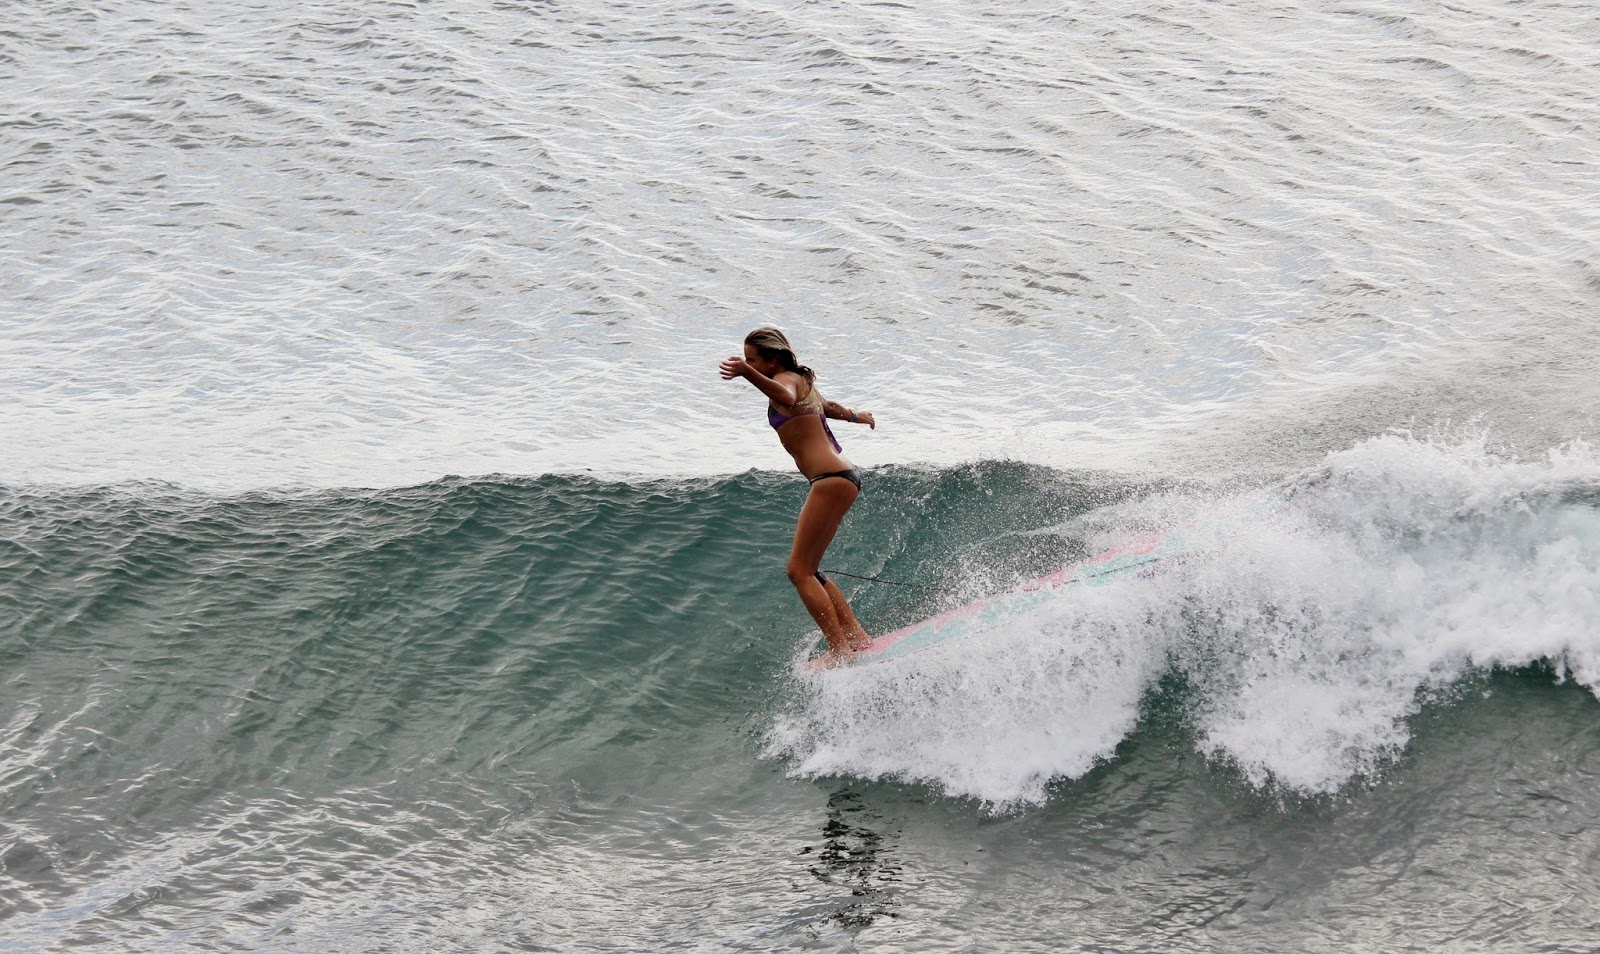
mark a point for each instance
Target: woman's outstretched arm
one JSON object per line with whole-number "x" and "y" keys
{"x": 779, "y": 389}
{"x": 839, "y": 412}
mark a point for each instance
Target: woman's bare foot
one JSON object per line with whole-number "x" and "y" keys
{"x": 828, "y": 660}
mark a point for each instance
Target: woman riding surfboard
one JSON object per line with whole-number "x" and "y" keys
{"x": 799, "y": 414}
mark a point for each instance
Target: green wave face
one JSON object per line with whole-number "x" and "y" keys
{"x": 505, "y": 688}
{"x": 459, "y": 624}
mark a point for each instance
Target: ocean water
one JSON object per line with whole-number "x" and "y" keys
{"x": 383, "y": 566}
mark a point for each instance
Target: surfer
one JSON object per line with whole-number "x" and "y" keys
{"x": 799, "y": 414}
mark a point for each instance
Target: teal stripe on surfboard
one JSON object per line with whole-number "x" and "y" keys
{"x": 1138, "y": 557}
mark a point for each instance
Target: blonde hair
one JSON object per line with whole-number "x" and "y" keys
{"x": 771, "y": 344}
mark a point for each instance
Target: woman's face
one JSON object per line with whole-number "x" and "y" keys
{"x": 753, "y": 358}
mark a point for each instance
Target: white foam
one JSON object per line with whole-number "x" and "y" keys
{"x": 1309, "y": 628}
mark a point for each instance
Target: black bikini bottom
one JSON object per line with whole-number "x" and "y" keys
{"x": 852, "y": 475}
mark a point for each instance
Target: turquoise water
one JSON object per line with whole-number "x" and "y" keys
{"x": 559, "y": 714}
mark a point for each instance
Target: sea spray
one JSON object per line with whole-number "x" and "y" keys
{"x": 1308, "y": 628}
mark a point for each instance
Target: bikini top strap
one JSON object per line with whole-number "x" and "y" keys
{"x": 811, "y": 401}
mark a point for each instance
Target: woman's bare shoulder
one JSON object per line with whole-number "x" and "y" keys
{"x": 795, "y": 382}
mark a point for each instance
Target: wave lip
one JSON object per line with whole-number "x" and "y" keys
{"x": 1307, "y": 632}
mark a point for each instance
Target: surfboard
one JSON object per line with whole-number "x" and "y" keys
{"x": 992, "y": 611}
{"x": 1139, "y": 557}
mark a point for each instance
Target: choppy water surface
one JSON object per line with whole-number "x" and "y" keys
{"x": 1098, "y": 271}
{"x": 557, "y": 714}
{"x": 256, "y": 244}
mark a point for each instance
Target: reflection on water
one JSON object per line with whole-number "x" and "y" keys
{"x": 855, "y": 854}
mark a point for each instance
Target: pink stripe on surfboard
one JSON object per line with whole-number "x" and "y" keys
{"x": 1142, "y": 545}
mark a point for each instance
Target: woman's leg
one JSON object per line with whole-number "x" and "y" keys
{"x": 847, "y": 616}
{"x": 819, "y": 520}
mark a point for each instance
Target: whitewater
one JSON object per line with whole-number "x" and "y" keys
{"x": 1305, "y": 631}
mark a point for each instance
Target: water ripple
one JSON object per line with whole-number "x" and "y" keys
{"x": 262, "y": 245}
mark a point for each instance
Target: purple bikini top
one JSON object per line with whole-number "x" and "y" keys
{"x": 805, "y": 407}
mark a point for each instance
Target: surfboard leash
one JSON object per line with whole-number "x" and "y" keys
{"x": 878, "y": 579}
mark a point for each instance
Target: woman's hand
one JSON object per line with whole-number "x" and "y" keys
{"x": 735, "y": 367}
{"x": 865, "y": 417}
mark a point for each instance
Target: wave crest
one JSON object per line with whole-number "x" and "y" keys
{"x": 1308, "y": 629}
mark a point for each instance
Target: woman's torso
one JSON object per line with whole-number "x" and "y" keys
{"x": 803, "y": 430}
